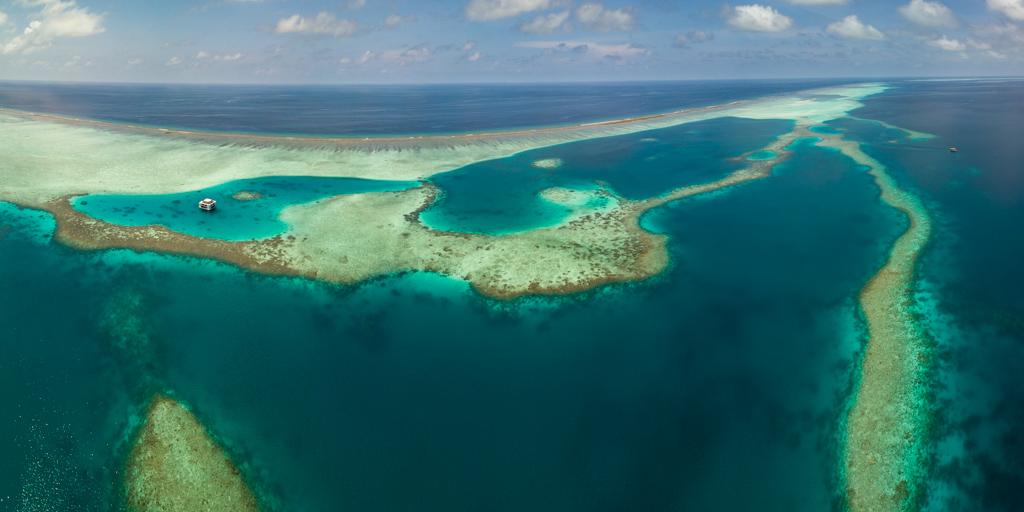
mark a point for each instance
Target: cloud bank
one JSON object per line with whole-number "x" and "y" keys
{"x": 487, "y": 10}
{"x": 544, "y": 23}
{"x": 324, "y": 24}
{"x": 57, "y": 19}
{"x": 852, "y": 28}
{"x": 929, "y": 14}
{"x": 594, "y": 16}
{"x": 758, "y": 18}
{"x": 1013, "y": 9}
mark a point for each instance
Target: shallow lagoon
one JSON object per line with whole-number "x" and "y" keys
{"x": 246, "y": 209}
{"x": 500, "y": 196}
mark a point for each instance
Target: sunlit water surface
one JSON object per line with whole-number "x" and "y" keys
{"x": 718, "y": 385}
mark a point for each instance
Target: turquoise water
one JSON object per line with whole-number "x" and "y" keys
{"x": 824, "y": 129}
{"x": 233, "y": 219}
{"x": 972, "y": 271}
{"x": 500, "y": 196}
{"x": 717, "y": 386}
{"x": 762, "y": 155}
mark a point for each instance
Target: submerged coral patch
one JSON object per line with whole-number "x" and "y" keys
{"x": 548, "y": 163}
{"x": 175, "y": 466}
{"x": 246, "y": 195}
{"x": 886, "y": 436}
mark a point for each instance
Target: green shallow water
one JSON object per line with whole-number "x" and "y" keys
{"x": 233, "y": 219}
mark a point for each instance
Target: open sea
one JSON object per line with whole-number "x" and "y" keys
{"x": 719, "y": 385}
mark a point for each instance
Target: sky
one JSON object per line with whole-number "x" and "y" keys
{"x": 398, "y": 41}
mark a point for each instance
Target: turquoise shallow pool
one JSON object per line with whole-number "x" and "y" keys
{"x": 761, "y": 155}
{"x": 824, "y": 129}
{"x": 251, "y": 213}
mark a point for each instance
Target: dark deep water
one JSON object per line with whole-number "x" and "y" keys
{"x": 382, "y": 109}
{"x": 717, "y": 386}
{"x": 973, "y": 272}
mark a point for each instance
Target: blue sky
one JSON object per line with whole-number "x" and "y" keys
{"x": 396, "y": 41}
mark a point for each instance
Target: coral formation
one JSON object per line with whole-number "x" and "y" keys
{"x": 175, "y": 466}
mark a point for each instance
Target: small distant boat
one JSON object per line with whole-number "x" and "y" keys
{"x": 952, "y": 150}
{"x": 207, "y": 204}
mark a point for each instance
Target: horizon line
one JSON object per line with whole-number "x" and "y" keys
{"x": 524, "y": 82}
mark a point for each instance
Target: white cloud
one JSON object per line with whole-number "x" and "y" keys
{"x": 929, "y": 14}
{"x": 175, "y": 61}
{"x": 468, "y": 46}
{"x": 345, "y": 60}
{"x": 366, "y": 57}
{"x": 951, "y": 45}
{"x": 1007, "y": 29}
{"x": 232, "y": 56}
{"x": 1013, "y": 9}
{"x": 758, "y": 18}
{"x": 486, "y": 10}
{"x": 416, "y": 53}
{"x": 187, "y": 42}
{"x": 57, "y": 19}
{"x": 852, "y": 28}
{"x": 476, "y": 56}
{"x": 3, "y": 18}
{"x": 693, "y": 36}
{"x": 978, "y": 45}
{"x": 588, "y": 48}
{"x": 544, "y": 23}
{"x": 352, "y": 4}
{"x": 134, "y": 62}
{"x": 595, "y": 17}
{"x": 819, "y": 2}
{"x": 395, "y": 20}
{"x": 324, "y": 24}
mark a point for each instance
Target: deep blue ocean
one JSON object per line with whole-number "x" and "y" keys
{"x": 381, "y": 109}
{"x": 717, "y": 386}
